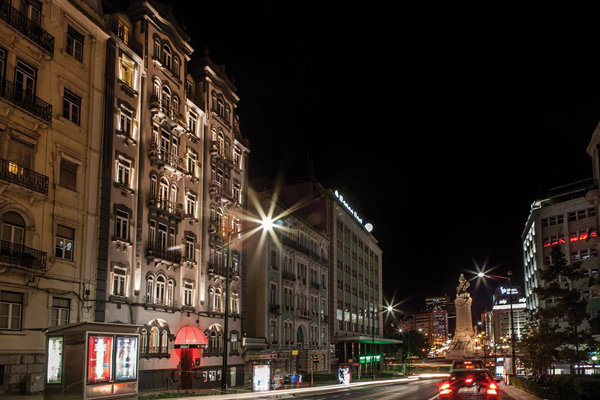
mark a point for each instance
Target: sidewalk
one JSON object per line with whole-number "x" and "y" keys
{"x": 518, "y": 394}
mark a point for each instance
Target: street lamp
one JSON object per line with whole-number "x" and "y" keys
{"x": 512, "y": 324}
{"x": 266, "y": 224}
{"x": 387, "y": 309}
{"x": 408, "y": 350}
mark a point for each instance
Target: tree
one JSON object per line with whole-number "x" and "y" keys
{"x": 539, "y": 345}
{"x": 560, "y": 322}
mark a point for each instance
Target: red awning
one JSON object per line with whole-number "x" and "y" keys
{"x": 190, "y": 337}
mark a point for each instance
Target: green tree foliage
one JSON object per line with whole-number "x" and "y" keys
{"x": 565, "y": 304}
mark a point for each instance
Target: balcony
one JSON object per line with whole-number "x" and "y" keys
{"x": 161, "y": 254}
{"x": 27, "y": 27}
{"x": 167, "y": 159}
{"x": 24, "y": 177}
{"x": 167, "y": 207}
{"x": 216, "y": 270}
{"x": 26, "y": 100}
{"x": 163, "y": 109}
{"x": 22, "y": 257}
{"x": 288, "y": 276}
{"x": 275, "y": 309}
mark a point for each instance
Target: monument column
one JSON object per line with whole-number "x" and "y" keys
{"x": 463, "y": 343}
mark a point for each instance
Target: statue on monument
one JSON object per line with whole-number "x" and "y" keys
{"x": 463, "y": 285}
{"x": 463, "y": 343}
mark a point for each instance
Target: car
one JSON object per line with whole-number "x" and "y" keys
{"x": 467, "y": 364}
{"x": 472, "y": 384}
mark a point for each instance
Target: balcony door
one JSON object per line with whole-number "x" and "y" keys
{"x": 20, "y": 153}
{"x": 13, "y": 233}
{"x": 25, "y": 80}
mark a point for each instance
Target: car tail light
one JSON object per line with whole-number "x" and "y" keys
{"x": 445, "y": 389}
{"x": 492, "y": 389}
{"x": 469, "y": 380}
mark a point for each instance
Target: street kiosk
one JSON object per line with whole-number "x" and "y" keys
{"x": 91, "y": 360}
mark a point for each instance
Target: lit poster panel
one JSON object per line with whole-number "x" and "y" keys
{"x": 55, "y": 360}
{"x": 126, "y": 358}
{"x": 344, "y": 375}
{"x": 99, "y": 359}
{"x": 261, "y": 377}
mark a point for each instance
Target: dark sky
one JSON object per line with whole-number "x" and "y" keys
{"x": 440, "y": 126}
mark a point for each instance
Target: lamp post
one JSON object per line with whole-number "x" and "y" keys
{"x": 512, "y": 324}
{"x": 387, "y": 309}
{"x": 408, "y": 350}
{"x": 265, "y": 224}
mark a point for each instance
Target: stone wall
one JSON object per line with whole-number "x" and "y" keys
{"x": 22, "y": 373}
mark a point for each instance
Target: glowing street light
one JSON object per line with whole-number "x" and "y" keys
{"x": 388, "y": 309}
{"x": 481, "y": 274}
{"x": 266, "y": 224}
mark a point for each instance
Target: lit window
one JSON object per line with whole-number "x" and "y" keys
{"x": 64, "y": 242}
{"x": 119, "y": 281}
{"x": 167, "y": 57}
{"x": 127, "y": 71}
{"x": 126, "y": 122}
{"x": 124, "y": 172}
{"x": 190, "y": 253}
{"x": 192, "y": 123}
{"x": 192, "y": 162}
{"x": 188, "y": 294}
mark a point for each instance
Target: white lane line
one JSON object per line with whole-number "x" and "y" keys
{"x": 434, "y": 397}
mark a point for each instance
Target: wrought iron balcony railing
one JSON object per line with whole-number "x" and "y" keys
{"x": 157, "y": 251}
{"x": 26, "y": 100}
{"x": 169, "y": 207}
{"x": 161, "y": 155}
{"x": 27, "y": 27}
{"x": 14, "y": 173}
{"x": 22, "y": 256}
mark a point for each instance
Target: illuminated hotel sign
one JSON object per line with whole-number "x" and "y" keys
{"x": 504, "y": 290}
{"x": 368, "y": 226}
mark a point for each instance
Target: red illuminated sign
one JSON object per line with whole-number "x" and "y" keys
{"x": 99, "y": 359}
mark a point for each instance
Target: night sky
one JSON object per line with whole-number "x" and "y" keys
{"x": 439, "y": 126}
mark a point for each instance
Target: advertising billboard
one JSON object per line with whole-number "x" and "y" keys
{"x": 261, "y": 377}
{"x": 54, "y": 371}
{"x": 100, "y": 362}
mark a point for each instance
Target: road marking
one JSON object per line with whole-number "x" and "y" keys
{"x": 434, "y": 397}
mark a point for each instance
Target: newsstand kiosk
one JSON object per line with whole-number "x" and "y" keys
{"x": 92, "y": 360}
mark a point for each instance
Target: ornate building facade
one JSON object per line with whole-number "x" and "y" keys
{"x": 52, "y": 55}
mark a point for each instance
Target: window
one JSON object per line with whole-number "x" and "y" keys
{"x": 192, "y": 162}
{"x": 60, "y": 311}
{"x": 127, "y": 71}
{"x": 167, "y": 57}
{"x": 119, "y": 281}
{"x": 192, "y": 123}
{"x": 170, "y": 300}
{"x": 25, "y": 80}
{"x": 273, "y": 331}
{"x": 11, "y": 308}
{"x": 2, "y": 63}
{"x": 124, "y": 171}
{"x": 159, "y": 297}
{"x": 190, "y": 254}
{"x": 13, "y": 228}
{"x": 74, "y": 43}
{"x": 234, "y": 342}
{"x": 176, "y": 66}
{"x": 64, "y": 242}
{"x": 122, "y": 225}
{"x": 126, "y": 122}
{"x": 71, "y": 107}
{"x": 149, "y": 288}
{"x": 32, "y": 9}
{"x": 123, "y": 32}
{"x": 190, "y": 205}
{"x": 188, "y": 294}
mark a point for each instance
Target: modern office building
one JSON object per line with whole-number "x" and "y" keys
{"x": 500, "y": 317}
{"x": 288, "y": 274}
{"x": 436, "y": 305}
{"x": 52, "y": 55}
{"x": 566, "y": 219}
{"x": 356, "y": 305}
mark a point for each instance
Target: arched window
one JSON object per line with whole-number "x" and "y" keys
{"x": 221, "y": 107}
{"x": 163, "y": 190}
{"x": 218, "y": 300}
{"x": 154, "y": 340}
{"x": 176, "y": 66}
{"x": 144, "y": 340}
{"x": 149, "y": 289}
{"x": 214, "y": 333}
{"x": 174, "y": 194}
{"x": 212, "y": 341}
{"x": 221, "y": 143}
{"x": 170, "y": 292}
{"x": 167, "y": 57}
{"x": 164, "y": 342}
{"x": 211, "y": 298}
{"x": 160, "y": 290}
{"x": 176, "y": 103}
{"x": 13, "y": 227}
{"x": 153, "y": 185}
{"x": 156, "y": 49}
{"x": 166, "y": 98}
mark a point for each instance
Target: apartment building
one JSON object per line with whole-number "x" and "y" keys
{"x": 288, "y": 273}
{"x": 52, "y": 55}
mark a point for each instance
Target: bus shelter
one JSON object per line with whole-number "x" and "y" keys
{"x": 91, "y": 360}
